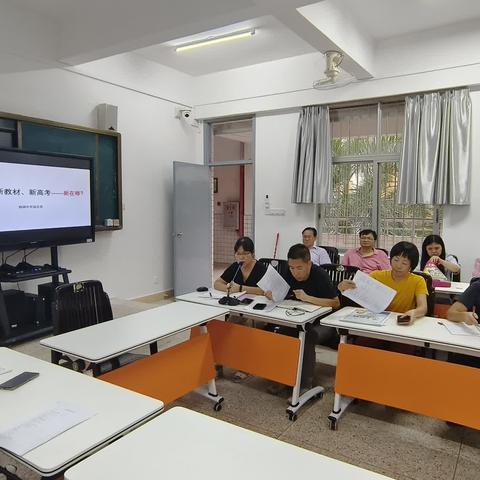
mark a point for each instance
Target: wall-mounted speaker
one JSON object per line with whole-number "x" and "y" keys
{"x": 107, "y": 116}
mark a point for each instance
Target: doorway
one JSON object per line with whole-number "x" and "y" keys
{"x": 230, "y": 157}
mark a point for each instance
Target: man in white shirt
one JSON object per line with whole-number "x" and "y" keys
{"x": 318, "y": 255}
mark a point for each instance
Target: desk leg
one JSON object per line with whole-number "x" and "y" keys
{"x": 211, "y": 391}
{"x": 298, "y": 400}
{"x": 340, "y": 402}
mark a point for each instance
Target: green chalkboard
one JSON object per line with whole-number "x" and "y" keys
{"x": 104, "y": 147}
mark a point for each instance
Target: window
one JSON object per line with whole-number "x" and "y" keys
{"x": 366, "y": 148}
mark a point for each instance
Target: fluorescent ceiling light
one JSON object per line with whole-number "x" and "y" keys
{"x": 214, "y": 40}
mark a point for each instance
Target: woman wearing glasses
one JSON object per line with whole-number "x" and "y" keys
{"x": 244, "y": 274}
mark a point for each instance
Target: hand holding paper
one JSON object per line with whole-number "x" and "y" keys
{"x": 370, "y": 293}
{"x": 272, "y": 281}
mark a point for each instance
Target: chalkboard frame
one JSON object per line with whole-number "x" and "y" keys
{"x": 18, "y": 141}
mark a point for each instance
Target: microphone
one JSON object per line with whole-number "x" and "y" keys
{"x": 228, "y": 300}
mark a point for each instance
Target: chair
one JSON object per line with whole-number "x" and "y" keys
{"x": 281, "y": 266}
{"x": 338, "y": 273}
{"x": 332, "y": 253}
{"x": 384, "y": 250}
{"x": 431, "y": 293}
{"x": 79, "y": 305}
{"x": 474, "y": 279}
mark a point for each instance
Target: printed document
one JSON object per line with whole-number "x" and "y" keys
{"x": 370, "y": 293}
{"x": 272, "y": 281}
{"x": 460, "y": 328}
{"x": 36, "y": 431}
{"x": 298, "y": 305}
{"x": 365, "y": 317}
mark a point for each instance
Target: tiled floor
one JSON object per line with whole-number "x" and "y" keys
{"x": 385, "y": 440}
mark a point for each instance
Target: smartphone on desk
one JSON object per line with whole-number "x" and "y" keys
{"x": 246, "y": 301}
{"x": 259, "y": 306}
{"x": 18, "y": 380}
{"x": 403, "y": 319}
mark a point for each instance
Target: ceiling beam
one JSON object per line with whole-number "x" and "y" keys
{"x": 325, "y": 27}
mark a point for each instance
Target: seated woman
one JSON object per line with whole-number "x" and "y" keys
{"x": 411, "y": 297}
{"x": 367, "y": 258}
{"x": 433, "y": 249}
{"x": 244, "y": 274}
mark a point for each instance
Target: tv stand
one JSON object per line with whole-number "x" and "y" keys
{"x": 10, "y": 334}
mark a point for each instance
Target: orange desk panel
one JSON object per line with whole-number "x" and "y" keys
{"x": 421, "y": 385}
{"x": 169, "y": 374}
{"x": 264, "y": 354}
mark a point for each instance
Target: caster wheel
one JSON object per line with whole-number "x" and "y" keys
{"x": 333, "y": 423}
{"x": 217, "y": 407}
{"x": 78, "y": 366}
{"x": 292, "y": 416}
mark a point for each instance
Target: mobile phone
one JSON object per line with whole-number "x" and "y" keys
{"x": 259, "y": 306}
{"x": 18, "y": 380}
{"x": 403, "y": 319}
{"x": 246, "y": 301}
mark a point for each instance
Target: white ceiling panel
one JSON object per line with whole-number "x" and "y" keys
{"x": 272, "y": 41}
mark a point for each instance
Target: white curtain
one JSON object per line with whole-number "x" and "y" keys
{"x": 436, "y": 158}
{"x": 313, "y": 157}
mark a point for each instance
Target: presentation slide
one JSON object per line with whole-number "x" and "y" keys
{"x": 38, "y": 197}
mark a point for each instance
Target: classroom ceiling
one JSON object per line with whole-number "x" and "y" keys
{"x": 368, "y": 32}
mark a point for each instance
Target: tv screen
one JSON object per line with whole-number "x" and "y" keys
{"x": 45, "y": 199}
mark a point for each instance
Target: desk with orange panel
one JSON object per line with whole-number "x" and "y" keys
{"x": 421, "y": 385}
{"x": 166, "y": 375}
{"x": 262, "y": 353}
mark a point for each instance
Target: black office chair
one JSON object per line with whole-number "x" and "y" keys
{"x": 431, "y": 293}
{"x": 79, "y": 305}
{"x": 332, "y": 253}
{"x": 474, "y": 279}
{"x": 337, "y": 274}
{"x": 281, "y": 266}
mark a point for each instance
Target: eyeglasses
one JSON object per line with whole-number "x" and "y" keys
{"x": 243, "y": 254}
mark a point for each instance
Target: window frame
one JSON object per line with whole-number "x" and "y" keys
{"x": 376, "y": 159}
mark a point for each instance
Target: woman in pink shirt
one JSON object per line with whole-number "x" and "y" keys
{"x": 367, "y": 258}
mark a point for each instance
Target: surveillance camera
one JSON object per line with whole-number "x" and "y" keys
{"x": 186, "y": 113}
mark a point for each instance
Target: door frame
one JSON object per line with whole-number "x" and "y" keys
{"x": 207, "y": 158}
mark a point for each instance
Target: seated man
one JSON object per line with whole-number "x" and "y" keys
{"x": 310, "y": 283}
{"x": 467, "y": 305}
{"x": 367, "y": 258}
{"x": 318, "y": 255}
{"x": 411, "y": 297}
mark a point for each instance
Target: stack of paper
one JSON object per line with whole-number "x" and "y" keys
{"x": 31, "y": 433}
{"x": 460, "y": 328}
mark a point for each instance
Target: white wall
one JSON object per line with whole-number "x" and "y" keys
{"x": 245, "y": 91}
{"x": 138, "y": 259}
{"x": 274, "y": 151}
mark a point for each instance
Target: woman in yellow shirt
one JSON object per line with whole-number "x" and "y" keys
{"x": 411, "y": 297}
